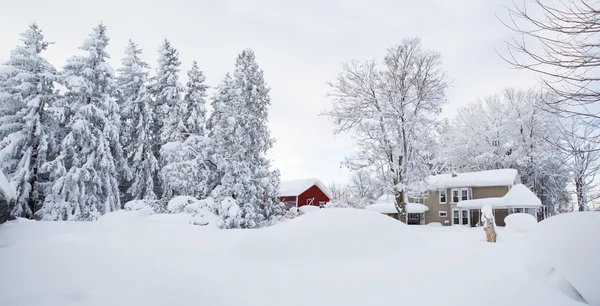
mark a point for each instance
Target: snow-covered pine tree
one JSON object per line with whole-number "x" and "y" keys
{"x": 138, "y": 115}
{"x": 195, "y": 102}
{"x": 86, "y": 170}
{"x": 166, "y": 89}
{"x": 241, "y": 139}
{"x": 26, "y": 129}
{"x": 185, "y": 170}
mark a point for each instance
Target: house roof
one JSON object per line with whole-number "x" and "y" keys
{"x": 519, "y": 196}
{"x": 295, "y": 188}
{"x": 6, "y": 190}
{"x": 499, "y": 177}
{"x": 386, "y": 205}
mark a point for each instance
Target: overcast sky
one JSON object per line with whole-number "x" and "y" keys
{"x": 300, "y": 45}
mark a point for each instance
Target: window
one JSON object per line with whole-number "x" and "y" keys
{"x": 321, "y": 204}
{"x": 442, "y": 196}
{"x": 443, "y": 214}
{"x": 413, "y": 216}
{"x": 455, "y": 197}
{"x": 464, "y": 194}
{"x": 456, "y": 216}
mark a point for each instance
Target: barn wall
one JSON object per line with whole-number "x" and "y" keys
{"x": 312, "y": 192}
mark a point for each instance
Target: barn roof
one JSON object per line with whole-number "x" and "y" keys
{"x": 295, "y": 188}
{"x": 498, "y": 177}
{"x": 6, "y": 190}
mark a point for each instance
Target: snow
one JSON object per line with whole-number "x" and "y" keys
{"x": 328, "y": 234}
{"x": 498, "y": 177}
{"x": 479, "y": 203}
{"x": 294, "y": 188}
{"x": 386, "y": 205}
{"x": 564, "y": 250}
{"x": 308, "y": 208}
{"x": 520, "y": 222}
{"x": 520, "y": 196}
{"x": 340, "y": 256}
{"x": 5, "y": 188}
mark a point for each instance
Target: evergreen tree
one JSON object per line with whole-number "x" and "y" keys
{"x": 241, "y": 139}
{"x": 138, "y": 116}
{"x": 194, "y": 101}
{"x": 86, "y": 170}
{"x": 185, "y": 170}
{"x": 26, "y": 129}
{"x": 168, "y": 125}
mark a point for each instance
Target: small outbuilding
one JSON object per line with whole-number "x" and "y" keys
{"x": 302, "y": 192}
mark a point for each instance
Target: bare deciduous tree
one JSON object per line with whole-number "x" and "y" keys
{"x": 583, "y": 160}
{"x": 561, "y": 45}
{"x": 391, "y": 109}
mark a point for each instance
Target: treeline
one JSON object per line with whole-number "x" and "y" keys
{"x": 108, "y": 138}
{"x": 392, "y": 109}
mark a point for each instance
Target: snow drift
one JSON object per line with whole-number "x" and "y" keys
{"x": 329, "y": 234}
{"x": 520, "y": 222}
{"x": 563, "y": 252}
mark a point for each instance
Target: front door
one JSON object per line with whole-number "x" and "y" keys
{"x": 460, "y": 216}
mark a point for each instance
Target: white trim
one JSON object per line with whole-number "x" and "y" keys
{"x": 445, "y": 195}
{"x": 452, "y": 195}
{"x": 460, "y": 216}
{"x": 445, "y": 213}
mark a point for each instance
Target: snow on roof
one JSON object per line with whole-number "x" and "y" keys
{"x": 479, "y": 203}
{"x": 520, "y": 196}
{"x": 386, "y": 205}
{"x": 499, "y": 177}
{"x": 296, "y": 187}
{"x": 5, "y": 188}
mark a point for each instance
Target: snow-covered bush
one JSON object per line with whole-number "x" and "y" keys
{"x": 520, "y": 222}
{"x": 157, "y": 206}
{"x": 337, "y": 204}
{"x": 179, "y": 203}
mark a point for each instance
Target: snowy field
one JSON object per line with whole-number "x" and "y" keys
{"x": 330, "y": 257}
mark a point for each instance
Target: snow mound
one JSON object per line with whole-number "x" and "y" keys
{"x": 330, "y": 234}
{"x": 125, "y": 216}
{"x": 520, "y": 222}
{"x": 566, "y": 246}
{"x": 308, "y": 208}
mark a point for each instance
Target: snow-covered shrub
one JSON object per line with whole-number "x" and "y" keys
{"x": 229, "y": 212}
{"x": 178, "y": 203}
{"x": 337, "y": 204}
{"x": 520, "y": 222}
{"x": 157, "y": 206}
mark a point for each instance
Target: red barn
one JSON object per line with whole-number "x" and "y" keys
{"x": 298, "y": 193}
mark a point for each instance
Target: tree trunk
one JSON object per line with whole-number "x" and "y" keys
{"x": 401, "y": 206}
{"x": 579, "y": 190}
{"x": 490, "y": 231}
